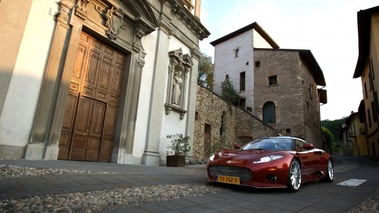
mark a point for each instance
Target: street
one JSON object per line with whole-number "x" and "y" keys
{"x": 114, "y": 189}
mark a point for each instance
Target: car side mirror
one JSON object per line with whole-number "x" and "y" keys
{"x": 308, "y": 146}
{"x": 236, "y": 146}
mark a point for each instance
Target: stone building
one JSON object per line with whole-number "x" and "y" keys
{"x": 279, "y": 86}
{"x": 353, "y": 136}
{"x": 234, "y": 58}
{"x": 217, "y": 123}
{"x": 97, "y": 80}
{"x": 287, "y": 92}
{"x": 367, "y": 69}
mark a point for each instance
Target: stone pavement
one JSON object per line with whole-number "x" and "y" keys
{"x": 311, "y": 197}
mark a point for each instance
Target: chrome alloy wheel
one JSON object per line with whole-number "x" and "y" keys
{"x": 294, "y": 181}
{"x": 330, "y": 170}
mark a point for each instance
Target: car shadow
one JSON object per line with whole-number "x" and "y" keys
{"x": 249, "y": 189}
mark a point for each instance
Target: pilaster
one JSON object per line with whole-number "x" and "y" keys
{"x": 151, "y": 154}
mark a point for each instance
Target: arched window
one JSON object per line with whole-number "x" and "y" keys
{"x": 269, "y": 112}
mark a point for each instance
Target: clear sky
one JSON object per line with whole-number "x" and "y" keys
{"x": 328, "y": 28}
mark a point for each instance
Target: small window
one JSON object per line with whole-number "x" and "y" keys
{"x": 288, "y": 131}
{"x": 236, "y": 53}
{"x": 226, "y": 77}
{"x": 242, "y": 81}
{"x": 257, "y": 64}
{"x": 272, "y": 80}
{"x": 310, "y": 88}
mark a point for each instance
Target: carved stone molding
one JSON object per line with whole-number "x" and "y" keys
{"x": 81, "y": 8}
{"x": 170, "y": 107}
{"x": 64, "y": 13}
{"x": 114, "y": 22}
{"x": 141, "y": 59}
{"x": 180, "y": 10}
{"x": 179, "y": 67}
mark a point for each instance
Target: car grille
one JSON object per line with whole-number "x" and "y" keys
{"x": 243, "y": 173}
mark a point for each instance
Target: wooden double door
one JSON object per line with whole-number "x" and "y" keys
{"x": 91, "y": 109}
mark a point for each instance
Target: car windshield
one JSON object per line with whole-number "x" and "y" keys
{"x": 269, "y": 144}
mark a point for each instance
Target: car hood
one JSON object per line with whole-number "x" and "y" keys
{"x": 241, "y": 157}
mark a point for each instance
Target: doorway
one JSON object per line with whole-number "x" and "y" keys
{"x": 90, "y": 115}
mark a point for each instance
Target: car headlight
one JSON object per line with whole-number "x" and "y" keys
{"x": 268, "y": 158}
{"x": 211, "y": 157}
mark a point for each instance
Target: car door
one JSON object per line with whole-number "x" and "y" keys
{"x": 309, "y": 159}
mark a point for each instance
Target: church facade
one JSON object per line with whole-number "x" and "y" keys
{"x": 97, "y": 80}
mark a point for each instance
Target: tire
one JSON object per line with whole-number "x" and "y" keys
{"x": 329, "y": 172}
{"x": 294, "y": 176}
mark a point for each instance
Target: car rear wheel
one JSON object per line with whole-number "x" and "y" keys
{"x": 330, "y": 172}
{"x": 294, "y": 176}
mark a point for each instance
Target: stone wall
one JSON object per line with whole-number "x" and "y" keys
{"x": 219, "y": 123}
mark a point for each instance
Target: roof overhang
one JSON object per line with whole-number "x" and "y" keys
{"x": 255, "y": 26}
{"x": 315, "y": 69}
{"x": 364, "y": 30}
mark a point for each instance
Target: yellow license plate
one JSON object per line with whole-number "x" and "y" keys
{"x": 228, "y": 179}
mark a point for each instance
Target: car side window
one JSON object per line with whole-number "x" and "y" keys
{"x": 299, "y": 145}
{"x": 284, "y": 144}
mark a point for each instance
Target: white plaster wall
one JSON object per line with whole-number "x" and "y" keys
{"x": 171, "y": 123}
{"x": 149, "y": 43}
{"x": 27, "y": 76}
{"x": 227, "y": 64}
{"x": 259, "y": 41}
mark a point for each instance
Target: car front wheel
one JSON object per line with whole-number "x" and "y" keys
{"x": 330, "y": 172}
{"x": 294, "y": 176}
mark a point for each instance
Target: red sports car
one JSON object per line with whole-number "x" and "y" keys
{"x": 273, "y": 162}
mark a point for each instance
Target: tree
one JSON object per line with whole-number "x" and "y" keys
{"x": 229, "y": 93}
{"x": 327, "y": 138}
{"x": 205, "y": 72}
{"x": 335, "y": 127}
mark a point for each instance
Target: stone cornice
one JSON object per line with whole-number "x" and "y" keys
{"x": 186, "y": 17}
